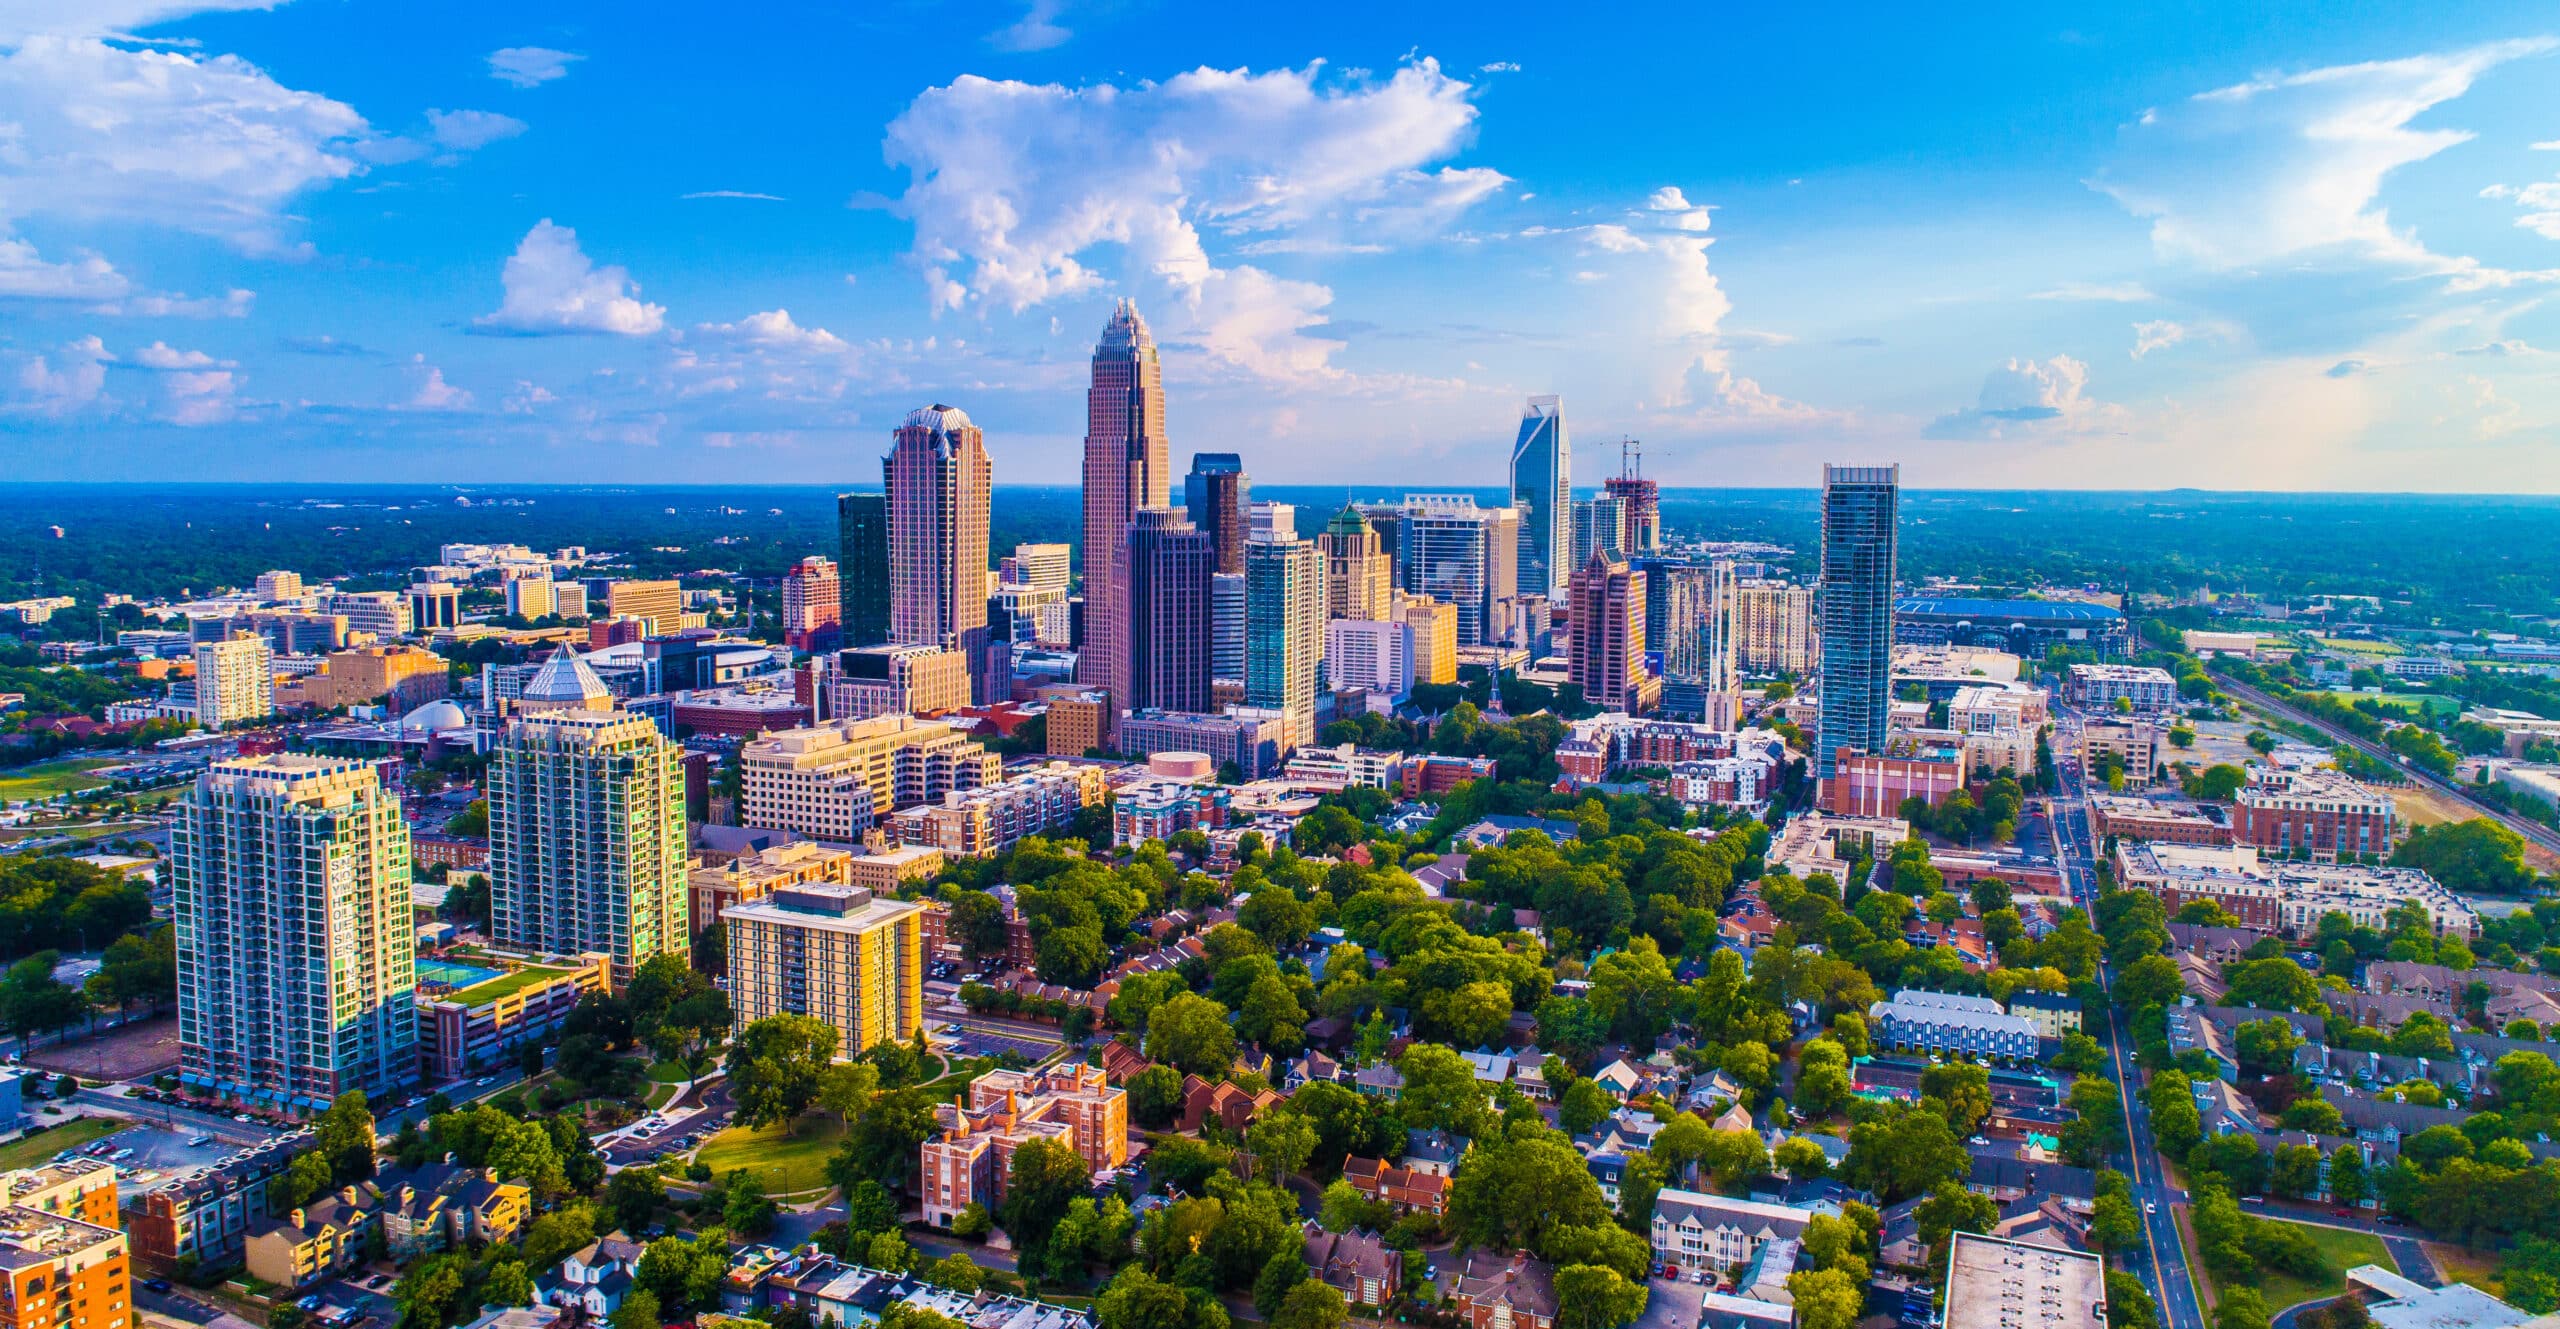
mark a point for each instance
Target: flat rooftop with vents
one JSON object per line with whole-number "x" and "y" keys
{"x": 1994, "y": 1283}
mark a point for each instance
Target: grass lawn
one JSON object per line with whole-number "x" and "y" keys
{"x": 2343, "y": 1250}
{"x": 38, "y": 1149}
{"x": 786, "y": 1159}
{"x": 45, "y": 779}
{"x": 960, "y": 1073}
{"x": 2358, "y": 646}
{"x": 505, "y": 985}
{"x": 2461, "y": 1264}
{"x": 668, "y": 1072}
{"x": 2407, "y": 703}
{"x": 660, "y": 1095}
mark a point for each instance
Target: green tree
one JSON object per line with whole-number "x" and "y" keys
{"x": 1047, "y": 1175}
{"x": 1824, "y": 1299}
{"x": 775, "y": 1066}
{"x": 1311, "y": 1305}
{"x": 1951, "y": 1209}
{"x": 1191, "y": 1034}
{"x": 1592, "y": 1296}
{"x": 639, "y": 1310}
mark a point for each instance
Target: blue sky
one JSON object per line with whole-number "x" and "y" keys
{"x": 2223, "y": 246}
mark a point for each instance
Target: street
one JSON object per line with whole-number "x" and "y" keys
{"x": 2162, "y": 1263}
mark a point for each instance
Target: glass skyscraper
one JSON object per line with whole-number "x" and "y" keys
{"x": 862, "y": 568}
{"x": 1859, "y": 508}
{"x": 1542, "y": 491}
{"x": 1218, "y": 494}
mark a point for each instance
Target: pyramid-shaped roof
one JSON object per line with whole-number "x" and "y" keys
{"x": 565, "y": 680}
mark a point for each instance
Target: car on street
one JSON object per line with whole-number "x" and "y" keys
{"x": 200, "y": 1141}
{"x": 156, "y": 1284}
{"x": 2151, "y": 1206}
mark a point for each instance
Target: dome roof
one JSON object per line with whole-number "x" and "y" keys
{"x": 938, "y": 417}
{"x": 434, "y": 718}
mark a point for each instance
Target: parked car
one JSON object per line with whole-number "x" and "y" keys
{"x": 156, "y": 1284}
{"x": 200, "y": 1141}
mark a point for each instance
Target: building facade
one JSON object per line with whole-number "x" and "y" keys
{"x": 1359, "y": 574}
{"x": 838, "y": 953}
{"x": 296, "y": 952}
{"x": 1542, "y": 493}
{"x": 2326, "y": 814}
{"x": 938, "y": 481}
{"x": 1464, "y": 556}
{"x": 1860, "y": 506}
{"x": 1284, "y": 628}
{"x": 1218, "y": 495}
{"x": 862, "y": 568}
{"x": 812, "y": 604}
{"x": 1166, "y": 564}
{"x": 1607, "y": 658}
{"x": 1377, "y": 656}
{"x": 587, "y": 837}
{"x": 1435, "y": 639}
{"x": 235, "y": 682}
{"x": 835, "y": 781}
{"x": 1128, "y": 466}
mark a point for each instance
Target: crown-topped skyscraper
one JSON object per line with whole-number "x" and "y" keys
{"x": 1128, "y": 465}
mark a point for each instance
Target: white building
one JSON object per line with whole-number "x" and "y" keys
{"x": 2100, "y": 685}
{"x": 1359, "y": 653}
{"x": 235, "y": 681}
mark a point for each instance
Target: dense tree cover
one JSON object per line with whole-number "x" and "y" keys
{"x": 61, "y": 904}
{"x": 2478, "y": 856}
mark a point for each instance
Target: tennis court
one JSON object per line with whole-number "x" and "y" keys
{"x": 454, "y": 977}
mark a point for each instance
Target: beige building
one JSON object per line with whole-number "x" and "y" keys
{"x": 402, "y": 678}
{"x": 1359, "y": 573}
{"x": 835, "y": 781}
{"x": 2136, "y": 743}
{"x": 235, "y": 682}
{"x": 1435, "y": 639}
{"x": 898, "y": 680}
{"x": 753, "y": 876}
{"x": 1996, "y": 1283}
{"x": 839, "y": 953}
{"x": 587, "y": 837}
{"x": 1076, "y": 722}
{"x": 974, "y": 823}
{"x": 1773, "y": 630}
{"x": 659, "y": 603}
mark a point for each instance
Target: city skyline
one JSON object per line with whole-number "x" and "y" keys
{"x": 2265, "y": 251}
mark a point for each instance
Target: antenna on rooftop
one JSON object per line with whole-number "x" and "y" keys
{"x": 1631, "y": 458}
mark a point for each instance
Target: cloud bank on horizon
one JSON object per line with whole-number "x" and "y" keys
{"x": 236, "y": 242}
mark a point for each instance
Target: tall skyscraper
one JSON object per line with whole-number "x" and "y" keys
{"x": 812, "y": 604}
{"x": 862, "y": 568}
{"x": 1773, "y": 629}
{"x": 1128, "y": 466}
{"x": 587, "y": 836}
{"x": 1226, "y": 626}
{"x": 1860, "y": 506}
{"x": 1218, "y": 494}
{"x": 1542, "y": 491}
{"x": 1284, "y": 629}
{"x": 1357, "y": 571}
{"x": 1607, "y": 656}
{"x": 1165, "y": 655}
{"x": 831, "y": 951}
{"x": 938, "y": 481}
{"x": 296, "y": 951}
{"x": 1463, "y": 555}
{"x": 1639, "y": 500}
{"x": 1599, "y": 525}
{"x": 235, "y": 681}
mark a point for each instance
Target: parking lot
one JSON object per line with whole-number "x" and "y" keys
{"x": 157, "y": 1153}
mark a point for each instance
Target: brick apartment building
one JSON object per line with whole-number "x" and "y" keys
{"x": 969, "y": 1160}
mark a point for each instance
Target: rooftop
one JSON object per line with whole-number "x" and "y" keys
{"x": 2021, "y": 611}
{"x": 1994, "y": 1283}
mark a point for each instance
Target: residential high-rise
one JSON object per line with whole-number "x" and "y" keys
{"x": 1284, "y": 628}
{"x": 832, "y": 951}
{"x": 1165, "y": 636}
{"x": 1217, "y": 495}
{"x": 1044, "y": 567}
{"x": 1859, "y": 510}
{"x": 235, "y": 681}
{"x": 938, "y": 480}
{"x": 1542, "y": 491}
{"x": 812, "y": 604}
{"x": 1607, "y": 656}
{"x": 1435, "y": 639}
{"x": 67, "y": 1267}
{"x": 1128, "y": 465}
{"x": 1693, "y": 629}
{"x": 1773, "y": 629}
{"x": 1362, "y": 653}
{"x": 1599, "y": 524}
{"x": 1463, "y": 555}
{"x": 1272, "y": 521}
{"x": 1227, "y": 609}
{"x": 587, "y": 837}
{"x": 862, "y": 568}
{"x": 1358, "y": 574}
{"x": 296, "y": 949}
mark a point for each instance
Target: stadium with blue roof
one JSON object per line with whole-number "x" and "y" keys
{"x": 2024, "y": 627}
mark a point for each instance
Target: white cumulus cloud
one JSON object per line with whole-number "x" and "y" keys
{"x": 1037, "y": 30}
{"x": 462, "y": 131}
{"x": 26, "y": 275}
{"x": 2026, "y": 399}
{"x": 1015, "y": 187}
{"x": 71, "y": 378}
{"x": 2292, "y": 164}
{"x": 2157, "y": 335}
{"x": 552, "y": 287}
{"x": 434, "y": 394}
{"x": 530, "y": 66}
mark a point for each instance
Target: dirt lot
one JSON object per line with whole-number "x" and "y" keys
{"x": 124, "y": 1053}
{"x": 2421, "y": 806}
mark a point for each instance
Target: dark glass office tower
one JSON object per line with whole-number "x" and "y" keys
{"x": 1219, "y": 497}
{"x": 862, "y": 567}
{"x": 1859, "y": 505}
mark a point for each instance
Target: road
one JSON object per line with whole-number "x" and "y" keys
{"x": 2530, "y": 830}
{"x": 2162, "y": 1262}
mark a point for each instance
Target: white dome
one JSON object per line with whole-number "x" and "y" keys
{"x": 434, "y": 718}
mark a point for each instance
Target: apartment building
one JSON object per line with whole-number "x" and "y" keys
{"x": 235, "y": 682}
{"x": 63, "y": 1272}
{"x": 2150, "y": 691}
{"x": 587, "y": 837}
{"x": 835, "y": 781}
{"x": 989, "y": 819}
{"x": 971, "y": 1155}
{"x": 659, "y": 605}
{"x": 838, "y": 953}
{"x": 205, "y": 1214}
{"x": 1773, "y": 630}
{"x": 1696, "y": 1230}
{"x": 296, "y": 951}
{"x": 401, "y": 678}
{"x": 2328, "y": 814}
